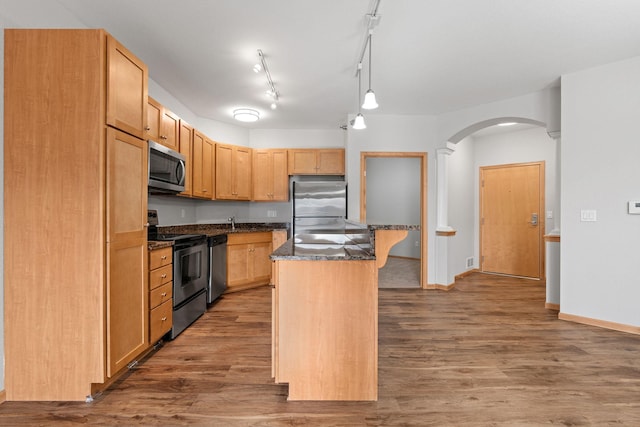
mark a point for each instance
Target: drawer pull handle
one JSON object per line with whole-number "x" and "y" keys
{"x": 163, "y": 257}
{"x": 164, "y": 276}
{"x": 164, "y": 318}
{"x": 164, "y": 294}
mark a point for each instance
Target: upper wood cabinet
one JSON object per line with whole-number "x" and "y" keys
{"x": 233, "y": 172}
{"x": 127, "y": 78}
{"x": 270, "y": 178}
{"x": 203, "y": 160}
{"x": 86, "y": 112}
{"x": 186, "y": 148}
{"x": 163, "y": 126}
{"x": 306, "y": 161}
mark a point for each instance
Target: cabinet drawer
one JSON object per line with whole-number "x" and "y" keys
{"x": 160, "y": 276}
{"x": 160, "y": 322}
{"x": 160, "y": 257}
{"x": 160, "y": 295}
{"x": 241, "y": 238}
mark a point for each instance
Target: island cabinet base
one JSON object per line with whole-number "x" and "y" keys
{"x": 325, "y": 329}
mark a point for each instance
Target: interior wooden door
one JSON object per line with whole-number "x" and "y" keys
{"x": 512, "y": 220}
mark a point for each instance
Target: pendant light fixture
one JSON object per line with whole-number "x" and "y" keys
{"x": 370, "y": 102}
{"x": 358, "y": 122}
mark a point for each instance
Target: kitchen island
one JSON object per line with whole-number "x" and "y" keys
{"x": 325, "y": 313}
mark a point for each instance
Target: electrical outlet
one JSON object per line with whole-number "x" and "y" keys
{"x": 181, "y": 213}
{"x": 588, "y": 215}
{"x": 469, "y": 262}
{"x": 417, "y": 243}
{"x": 272, "y": 213}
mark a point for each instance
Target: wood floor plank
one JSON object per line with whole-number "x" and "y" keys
{"x": 486, "y": 353}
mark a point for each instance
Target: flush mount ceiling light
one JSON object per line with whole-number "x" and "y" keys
{"x": 246, "y": 115}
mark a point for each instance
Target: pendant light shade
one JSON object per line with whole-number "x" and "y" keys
{"x": 358, "y": 122}
{"x": 370, "y": 102}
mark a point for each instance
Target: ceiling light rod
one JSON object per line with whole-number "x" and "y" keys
{"x": 374, "y": 20}
{"x": 273, "y": 92}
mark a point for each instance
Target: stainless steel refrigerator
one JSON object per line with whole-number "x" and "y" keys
{"x": 319, "y": 206}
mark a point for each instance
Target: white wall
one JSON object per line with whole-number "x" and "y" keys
{"x": 600, "y": 152}
{"x": 462, "y": 188}
{"x": 297, "y": 138}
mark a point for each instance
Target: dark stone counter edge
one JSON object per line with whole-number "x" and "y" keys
{"x": 156, "y": 244}
{"x": 287, "y": 252}
{"x": 218, "y": 229}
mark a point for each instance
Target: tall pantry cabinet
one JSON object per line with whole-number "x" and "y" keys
{"x": 75, "y": 212}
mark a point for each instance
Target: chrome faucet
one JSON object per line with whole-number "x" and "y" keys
{"x": 232, "y": 220}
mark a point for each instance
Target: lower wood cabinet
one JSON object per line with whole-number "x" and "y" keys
{"x": 160, "y": 293}
{"x": 248, "y": 263}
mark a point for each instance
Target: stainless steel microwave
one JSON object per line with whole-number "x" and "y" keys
{"x": 166, "y": 169}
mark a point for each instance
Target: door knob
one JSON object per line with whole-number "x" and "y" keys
{"x": 534, "y": 219}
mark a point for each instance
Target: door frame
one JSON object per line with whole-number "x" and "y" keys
{"x": 423, "y": 198}
{"x": 541, "y": 216}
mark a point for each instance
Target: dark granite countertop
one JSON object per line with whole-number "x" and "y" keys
{"x": 321, "y": 252}
{"x": 356, "y": 242}
{"x": 158, "y": 244}
{"x": 217, "y": 229}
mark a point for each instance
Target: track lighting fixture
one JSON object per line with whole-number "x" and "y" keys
{"x": 272, "y": 92}
{"x": 358, "y": 123}
{"x": 370, "y": 102}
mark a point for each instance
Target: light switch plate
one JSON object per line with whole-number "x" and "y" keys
{"x": 634, "y": 207}
{"x": 588, "y": 215}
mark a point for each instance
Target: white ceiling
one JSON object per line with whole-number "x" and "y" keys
{"x": 429, "y": 56}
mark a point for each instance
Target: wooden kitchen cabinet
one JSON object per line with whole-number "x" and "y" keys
{"x": 248, "y": 263}
{"x": 270, "y": 178}
{"x": 233, "y": 172}
{"x": 163, "y": 126}
{"x": 278, "y": 238}
{"x": 74, "y": 136}
{"x": 160, "y": 293}
{"x": 203, "y": 160}
{"x": 127, "y": 82}
{"x": 307, "y": 161}
{"x": 186, "y": 149}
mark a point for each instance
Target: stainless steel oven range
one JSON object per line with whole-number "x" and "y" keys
{"x": 190, "y": 275}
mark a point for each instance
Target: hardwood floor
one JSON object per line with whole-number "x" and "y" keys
{"x": 486, "y": 353}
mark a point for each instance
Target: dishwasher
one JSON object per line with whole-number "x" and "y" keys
{"x": 217, "y": 267}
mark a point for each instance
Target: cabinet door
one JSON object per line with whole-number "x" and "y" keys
{"x": 261, "y": 264}
{"x": 127, "y": 303}
{"x": 302, "y": 162}
{"x": 269, "y": 175}
{"x": 127, "y": 278}
{"x": 278, "y": 238}
{"x": 186, "y": 145}
{"x": 238, "y": 272}
{"x": 127, "y": 78}
{"x": 224, "y": 172}
{"x": 203, "y": 156}
{"x": 154, "y": 116}
{"x": 262, "y": 175}
{"x": 126, "y": 186}
{"x": 330, "y": 162}
{"x": 280, "y": 191}
{"x": 242, "y": 173}
{"x": 170, "y": 130}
